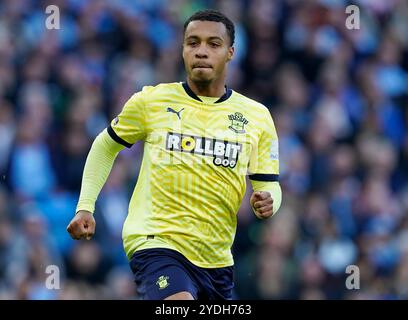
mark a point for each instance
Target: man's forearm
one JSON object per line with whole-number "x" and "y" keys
{"x": 97, "y": 169}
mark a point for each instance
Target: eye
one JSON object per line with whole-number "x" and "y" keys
{"x": 214, "y": 44}
{"x": 192, "y": 43}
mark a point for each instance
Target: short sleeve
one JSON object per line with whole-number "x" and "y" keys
{"x": 264, "y": 162}
{"x": 130, "y": 125}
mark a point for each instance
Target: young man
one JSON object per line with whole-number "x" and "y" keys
{"x": 201, "y": 139}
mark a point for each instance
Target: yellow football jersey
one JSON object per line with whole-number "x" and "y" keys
{"x": 197, "y": 152}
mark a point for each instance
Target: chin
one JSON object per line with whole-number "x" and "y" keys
{"x": 201, "y": 77}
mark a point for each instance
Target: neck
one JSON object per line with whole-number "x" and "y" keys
{"x": 214, "y": 88}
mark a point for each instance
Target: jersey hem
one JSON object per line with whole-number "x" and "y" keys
{"x": 149, "y": 244}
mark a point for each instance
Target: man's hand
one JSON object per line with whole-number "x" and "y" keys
{"x": 82, "y": 226}
{"x": 262, "y": 203}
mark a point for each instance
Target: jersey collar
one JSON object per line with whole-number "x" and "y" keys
{"x": 190, "y": 92}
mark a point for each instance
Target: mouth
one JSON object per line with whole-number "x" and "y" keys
{"x": 202, "y": 66}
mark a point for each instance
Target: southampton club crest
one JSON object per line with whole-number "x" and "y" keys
{"x": 237, "y": 122}
{"x": 162, "y": 282}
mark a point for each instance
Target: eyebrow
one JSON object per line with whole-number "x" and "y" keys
{"x": 210, "y": 38}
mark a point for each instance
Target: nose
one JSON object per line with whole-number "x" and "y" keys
{"x": 201, "y": 52}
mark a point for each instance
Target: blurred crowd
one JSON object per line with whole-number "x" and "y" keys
{"x": 339, "y": 99}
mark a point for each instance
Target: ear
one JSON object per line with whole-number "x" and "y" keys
{"x": 231, "y": 51}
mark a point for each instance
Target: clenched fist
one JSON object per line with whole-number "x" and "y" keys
{"x": 82, "y": 226}
{"x": 262, "y": 203}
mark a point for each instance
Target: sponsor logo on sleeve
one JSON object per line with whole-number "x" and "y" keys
{"x": 274, "y": 151}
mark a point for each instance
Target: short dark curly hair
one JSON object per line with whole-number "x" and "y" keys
{"x": 216, "y": 16}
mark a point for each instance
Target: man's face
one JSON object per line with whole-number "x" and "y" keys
{"x": 206, "y": 50}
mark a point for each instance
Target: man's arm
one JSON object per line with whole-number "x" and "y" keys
{"x": 97, "y": 168}
{"x": 264, "y": 166}
{"x": 127, "y": 128}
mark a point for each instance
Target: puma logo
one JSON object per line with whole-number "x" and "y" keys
{"x": 174, "y": 111}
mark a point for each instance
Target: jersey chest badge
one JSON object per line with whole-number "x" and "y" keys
{"x": 237, "y": 122}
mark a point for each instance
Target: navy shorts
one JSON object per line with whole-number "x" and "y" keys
{"x": 161, "y": 272}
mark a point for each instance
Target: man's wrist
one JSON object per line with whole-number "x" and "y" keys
{"x": 83, "y": 210}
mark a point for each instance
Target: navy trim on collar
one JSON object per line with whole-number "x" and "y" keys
{"x": 225, "y": 96}
{"x": 190, "y": 92}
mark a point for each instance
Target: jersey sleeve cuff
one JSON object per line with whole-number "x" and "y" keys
{"x": 81, "y": 206}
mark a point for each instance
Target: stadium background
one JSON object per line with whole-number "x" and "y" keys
{"x": 338, "y": 98}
